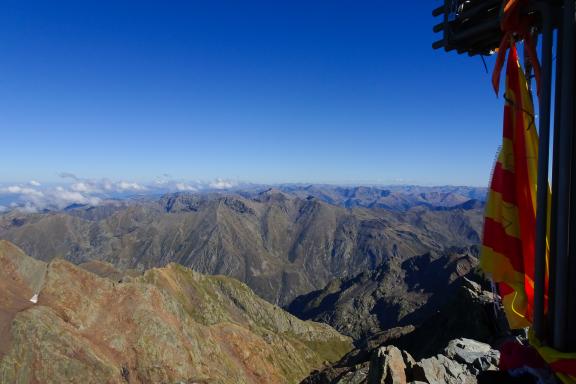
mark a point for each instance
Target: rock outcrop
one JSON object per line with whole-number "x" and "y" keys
{"x": 470, "y": 313}
{"x": 451, "y": 345}
{"x": 169, "y": 325}
{"x": 459, "y": 363}
{"x": 398, "y": 294}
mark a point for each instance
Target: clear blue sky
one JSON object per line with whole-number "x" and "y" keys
{"x": 262, "y": 91}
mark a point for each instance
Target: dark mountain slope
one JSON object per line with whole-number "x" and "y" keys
{"x": 398, "y": 293}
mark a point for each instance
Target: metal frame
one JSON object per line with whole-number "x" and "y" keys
{"x": 543, "y": 162}
{"x": 563, "y": 335}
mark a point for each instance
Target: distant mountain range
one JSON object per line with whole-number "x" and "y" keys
{"x": 36, "y": 197}
{"x": 398, "y": 198}
{"x": 282, "y": 242}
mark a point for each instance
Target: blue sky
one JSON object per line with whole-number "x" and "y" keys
{"x": 260, "y": 91}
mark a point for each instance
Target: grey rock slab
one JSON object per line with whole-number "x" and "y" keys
{"x": 467, "y": 351}
{"x": 387, "y": 366}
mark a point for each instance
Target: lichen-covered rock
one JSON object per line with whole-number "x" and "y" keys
{"x": 170, "y": 325}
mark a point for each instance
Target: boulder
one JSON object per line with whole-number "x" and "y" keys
{"x": 473, "y": 354}
{"x": 387, "y": 366}
{"x": 440, "y": 369}
{"x": 460, "y": 362}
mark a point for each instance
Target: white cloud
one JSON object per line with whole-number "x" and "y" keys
{"x": 81, "y": 187}
{"x": 222, "y": 184}
{"x": 30, "y": 199}
{"x": 33, "y": 196}
{"x": 28, "y": 208}
{"x": 3, "y": 208}
{"x": 12, "y": 189}
{"x": 185, "y": 187}
{"x": 127, "y": 186}
{"x": 101, "y": 186}
{"x": 16, "y": 189}
{"x": 61, "y": 197}
{"x": 107, "y": 185}
{"x": 73, "y": 197}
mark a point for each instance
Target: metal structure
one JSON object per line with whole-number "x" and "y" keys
{"x": 474, "y": 27}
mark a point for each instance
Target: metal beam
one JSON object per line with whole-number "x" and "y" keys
{"x": 543, "y": 159}
{"x": 571, "y": 315}
{"x": 563, "y": 251}
{"x": 554, "y": 206}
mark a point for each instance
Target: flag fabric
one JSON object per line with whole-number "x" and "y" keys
{"x": 508, "y": 245}
{"x": 563, "y": 364}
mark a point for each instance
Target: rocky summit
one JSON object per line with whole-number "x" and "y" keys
{"x": 62, "y": 323}
{"x": 453, "y": 345}
{"x": 459, "y": 363}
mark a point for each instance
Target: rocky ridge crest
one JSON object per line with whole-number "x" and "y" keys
{"x": 168, "y": 325}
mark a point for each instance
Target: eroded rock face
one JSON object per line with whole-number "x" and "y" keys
{"x": 169, "y": 325}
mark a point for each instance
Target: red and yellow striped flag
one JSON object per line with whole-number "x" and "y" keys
{"x": 508, "y": 247}
{"x": 510, "y": 218}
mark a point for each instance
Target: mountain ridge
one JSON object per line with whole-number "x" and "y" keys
{"x": 281, "y": 245}
{"x": 170, "y": 324}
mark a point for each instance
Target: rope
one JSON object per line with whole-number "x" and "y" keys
{"x": 515, "y": 23}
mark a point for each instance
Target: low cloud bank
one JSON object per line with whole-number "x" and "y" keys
{"x": 34, "y": 196}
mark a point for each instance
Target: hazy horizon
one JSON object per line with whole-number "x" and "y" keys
{"x": 34, "y": 195}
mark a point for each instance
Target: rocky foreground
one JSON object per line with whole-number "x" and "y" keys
{"x": 451, "y": 345}
{"x": 459, "y": 363}
{"x": 169, "y": 325}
